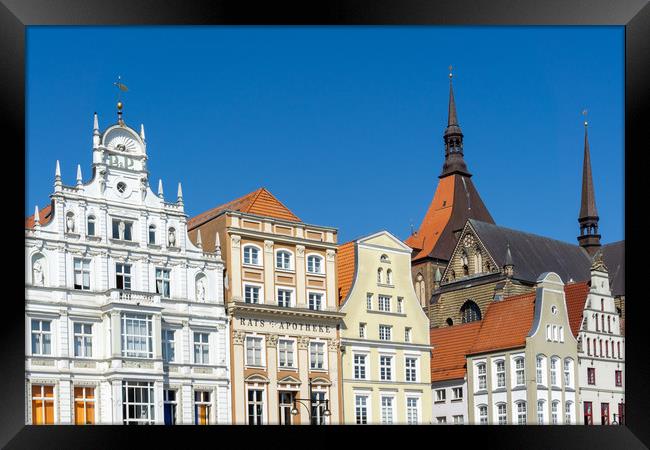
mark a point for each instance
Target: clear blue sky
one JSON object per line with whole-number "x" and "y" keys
{"x": 343, "y": 125}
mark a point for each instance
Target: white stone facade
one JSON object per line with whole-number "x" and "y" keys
{"x": 109, "y": 269}
{"x": 449, "y": 402}
{"x": 601, "y": 355}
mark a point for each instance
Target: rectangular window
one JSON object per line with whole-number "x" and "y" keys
{"x": 554, "y": 406}
{"x": 441, "y": 395}
{"x": 567, "y": 413}
{"x": 84, "y": 405}
{"x": 386, "y": 368}
{"x": 618, "y": 376}
{"x": 285, "y": 350}
{"x": 255, "y": 406}
{"x": 386, "y": 410}
{"x": 501, "y": 374}
{"x": 83, "y": 340}
{"x": 458, "y": 420}
{"x": 501, "y": 414}
{"x": 589, "y": 416}
{"x": 519, "y": 371}
{"x": 362, "y": 330}
{"x": 457, "y": 392}
{"x": 384, "y": 332}
{"x": 122, "y": 230}
{"x": 553, "y": 372}
{"x": 168, "y": 345}
{"x": 201, "y": 348}
{"x": 521, "y": 413}
{"x": 317, "y": 355}
{"x": 202, "y": 406}
{"x": 253, "y": 351}
{"x": 318, "y": 408}
{"x": 251, "y": 294}
{"x": 442, "y": 420}
{"x": 162, "y": 282}
{"x": 483, "y": 415}
{"x": 285, "y": 405}
{"x": 407, "y": 334}
{"x": 540, "y": 412}
{"x": 123, "y": 276}
{"x": 315, "y": 301}
{"x": 169, "y": 406}
{"x": 284, "y": 297}
{"x": 591, "y": 375}
{"x": 369, "y": 301}
{"x": 482, "y": 377}
{"x": 539, "y": 370}
{"x": 410, "y": 365}
{"x": 384, "y": 303}
{"x": 42, "y": 404}
{"x": 361, "y": 409}
{"x": 400, "y": 305}
{"x": 138, "y": 403}
{"x": 136, "y": 335}
{"x": 359, "y": 367}
{"x": 567, "y": 373}
{"x": 41, "y": 337}
{"x": 82, "y": 274}
{"x": 412, "y": 417}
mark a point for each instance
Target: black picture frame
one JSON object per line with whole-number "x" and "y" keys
{"x": 634, "y": 15}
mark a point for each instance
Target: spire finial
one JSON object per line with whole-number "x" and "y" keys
{"x": 160, "y": 189}
{"x": 180, "y": 193}
{"x": 199, "y": 241}
{"x": 57, "y": 177}
{"x": 95, "y": 123}
{"x": 217, "y": 244}
{"x": 37, "y": 219}
{"x": 142, "y": 132}
{"x": 589, "y": 238}
{"x": 451, "y": 74}
{"x": 121, "y": 88}
{"x": 453, "y": 137}
{"x": 79, "y": 178}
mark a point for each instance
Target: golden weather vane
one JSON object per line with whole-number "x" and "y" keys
{"x": 122, "y": 88}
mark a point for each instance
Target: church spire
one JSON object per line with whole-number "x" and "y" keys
{"x": 589, "y": 238}
{"x": 453, "y": 137}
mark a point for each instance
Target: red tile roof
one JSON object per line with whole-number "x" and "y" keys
{"x": 576, "y": 296}
{"x": 259, "y": 202}
{"x": 345, "y": 261}
{"x": 44, "y": 216}
{"x": 450, "y": 345}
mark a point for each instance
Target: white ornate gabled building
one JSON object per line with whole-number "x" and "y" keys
{"x": 124, "y": 316}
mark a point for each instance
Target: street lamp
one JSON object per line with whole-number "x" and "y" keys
{"x": 294, "y": 410}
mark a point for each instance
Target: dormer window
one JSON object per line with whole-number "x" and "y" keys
{"x": 251, "y": 255}
{"x": 122, "y": 230}
{"x": 314, "y": 264}
{"x": 91, "y": 226}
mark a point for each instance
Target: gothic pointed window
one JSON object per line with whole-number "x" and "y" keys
{"x": 465, "y": 263}
{"x": 478, "y": 260}
{"x": 470, "y": 312}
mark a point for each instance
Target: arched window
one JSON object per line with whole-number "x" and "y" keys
{"x": 568, "y": 413}
{"x": 450, "y": 322}
{"x": 588, "y": 347}
{"x": 384, "y": 258}
{"x": 554, "y": 364}
{"x": 91, "y": 226}
{"x": 607, "y": 349}
{"x": 152, "y": 234}
{"x": 540, "y": 364}
{"x": 379, "y": 271}
{"x": 600, "y": 347}
{"x": 618, "y": 346}
{"x": 483, "y": 415}
{"x": 602, "y": 322}
{"x": 521, "y": 413}
{"x": 283, "y": 260}
{"x": 554, "y": 408}
{"x": 465, "y": 263}
{"x": 315, "y": 264}
{"x": 252, "y": 255}
{"x": 502, "y": 414}
{"x": 540, "y": 412}
{"x": 470, "y": 312}
{"x": 389, "y": 276}
{"x": 478, "y": 260}
{"x": 568, "y": 372}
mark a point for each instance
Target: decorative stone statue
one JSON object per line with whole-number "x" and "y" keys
{"x": 121, "y": 227}
{"x": 200, "y": 290}
{"x": 69, "y": 223}
{"x": 39, "y": 277}
{"x": 172, "y": 237}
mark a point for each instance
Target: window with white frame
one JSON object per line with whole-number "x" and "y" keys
{"x": 520, "y": 378}
{"x": 122, "y": 230}
{"x": 84, "y": 405}
{"x": 387, "y": 403}
{"x": 369, "y": 301}
{"x": 561, "y": 334}
{"x": 539, "y": 369}
{"x": 162, "y": 282}
{"x": 400, "y": 305}
{"x": 201, "y": 348}
{"x": 502, "y": 416}
{"x": 138, "y": 405}
{"x": 384, "y": 302}
{"x": 284, "y": 297}
{"x": 170, "y": 405}
{"x": 82, "y": 274}
{"x": 254, "y": 351}
{"x": 412, "y": 409}
{"x": 407, "y": 334}
{"x": 521, "y": 413}
{"x": 540, "y": 412}
{"x": 362, "y": 330}
{"x": 457, "y": 393}
{"x": 385, "y": 332}
{"x": 567, "y": 372}
{"x": 379, "y": 275}
{"x": 286, "y": 353}
{"x": 549, "y": 333}
{"x": 410, "y": 366}
{"x": 458, "y": 419}
{"x": 359, "y": 366}
{"x": 361, "y": 409}
{"x": 554, "y": 408}
{"x": 441, "y": 420}
{"x": 202, "y": 406}
{"x": 482, "y": 376}
{"x": 168, "y": 345}
{"x": 483, "y": 414}
{"x": 283, "y": 260}
{"x": 317, "y": 355}
{"x": 83, "y": 340}
{"x": 90, "y": 230}
{"x": 441, "y": 395}
{"x": 251, "y": 294}
{"x": 554, "y": 380}
{"x": 568, "y": 416}
{"x": 315, "y": 301}
{"x": 123, "y": 276}
{"x": 136, "y": 335}
{"x": 385, "y": 368}
{"x": 315, "y": 264}
{"x": 255, "y": 406}
{"x": 501, "y": 373}
{"x": 41, "y": 337}
{"x": 252, "y": 255}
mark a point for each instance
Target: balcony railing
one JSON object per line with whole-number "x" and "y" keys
{"x": 123, "y": 295}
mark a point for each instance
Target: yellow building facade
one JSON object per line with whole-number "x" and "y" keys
{"x": 385, "y": 350}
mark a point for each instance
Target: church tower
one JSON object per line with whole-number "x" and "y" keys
{"x": 455, "y": 200}
{"x": 589, "y": 238}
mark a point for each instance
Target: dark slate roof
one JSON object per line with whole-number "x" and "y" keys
{"x": 614, "y": 257}
{"x": 533, "y": 254}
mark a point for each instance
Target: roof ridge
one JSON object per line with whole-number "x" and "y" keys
{"x": 525, "y": 233}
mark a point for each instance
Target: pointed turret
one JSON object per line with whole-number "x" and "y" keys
{"x": 217, "y": 244}
{"x": 142, "y": 132}
{"x": 37, "y": 219}
{"x": 436, "y": 278}
{"x": 453, "y": 137}
{"x": 57, "y": 177}
{"x": 508, "y": 265}
{"x": 199, "y": 241}
{"x": 95, "y": 131}
{"x": 79, "y": 178}
{"x": 589, "y": 238}
{"x": 160, "y": 189}
{"x": 180, "y": 193}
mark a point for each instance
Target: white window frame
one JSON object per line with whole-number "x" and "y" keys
{"x": 554, "y": 412}
{"x": 202, "y": 402}
{"x": 163, "y": 281}
{"x": 127, "y": 278}
{"x": 127, "y": 223}
{"x": 261, "y": 340}
{"x": 500, "y": 375}
{"x": 202, "y": 346}
{"x": 260, "y": 293}
{"x": 387, "y": 332}
{"x": 554, "y": 371}
{"x": 323, "y": 300}
{"x": 385, "y": 411}
{"x": 568, "y": 372}
{"x": 152, "y": 229}
{"x": 540, "y": 372}
{"x": 388, "y": 369}
{"x": 150, "y": 405}
{"x": 441, "y": 395}
{"x": 290, "y": 266}
{"x": 317, "y": 343}
{"x": 358, "y": 367}
{"x": 400, "y": 305}
{"x": 259, "y": 255}
{"x": 261, "y": 402}
{"x": 147, "y": 319}
{"x": 283, "y": 353}
{"x": 84, "y": 269}
{"x": 92, "y": 218}
{"x": 383, "y": 303}
{"x": 389, "y": 277}
{"x": 367, "y": 412}
{"x": 502, "y": 418}
{"x": 481, "y": 377}
{"x": 568, "y": 412}
{"x": 407, "y": 334}
{"x": 541, "y": 411}
{"x": 415, "y": 370}
{"x": 483, "y": 418}
{"x": 168, "y": 345}
{"x": 173, "y": 403}
{"x": 84, "y": 337}
{"x": 321, "y": 264}
{"x": 292, "y": 296}
{"x": 518, "y": 412}
{"x": 363, "y": 330}
{"x": 410, "y": 410}
{"x": 39, "y": 344}
{"x": 369, "y": 301}
{"x": 458, "y": 419}
{"x": 519, "y": 372}
{"x": 456, "y": 391}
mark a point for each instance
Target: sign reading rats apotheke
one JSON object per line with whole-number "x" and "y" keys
{"x": 283, "y": 325}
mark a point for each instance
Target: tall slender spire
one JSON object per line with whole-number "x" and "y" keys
{"x": 37, "y": 217}
{"x": 453, "y": 137}
{"x": 589, "y": 238}
{"x": 160, "y": 189}
{"x": 95, "y": 131}
{"x": 79, "y": 177}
